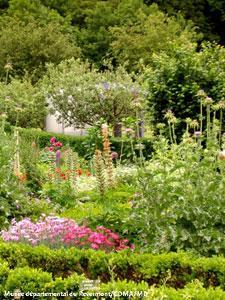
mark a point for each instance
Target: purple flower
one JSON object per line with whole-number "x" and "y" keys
{"x": 106, "y": 86}
{"x": 58, "y": 157}
{"x": 114, "y": 155}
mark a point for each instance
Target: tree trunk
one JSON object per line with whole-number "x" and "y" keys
{"x": 141, "y": 129}
{"x": 117, "y": 130}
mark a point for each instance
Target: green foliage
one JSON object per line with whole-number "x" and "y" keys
{"x": 174, "y": 79}
{"x": 29, "y": 153}
{"x": 42, "y": 139}
{"x": 24, "y": 280}
{"x": 112, "y": 210}
{"x": 181, "y": 197}
{"x": 82, "y": 95}
{"x": 151, "y": 32}
{"x": 27, "y": 280}
{"x": 172, "y": 269}
{"x": 126, "y": 289}
{"x": 12, "y": 194}
{"x": 76, "y": 10}
{"x": 23, "y": 103}
{"x": 26, "y": 10}
{"x": 82, "y": 212}
{"x": 79, "y": 144}
{"x": 208, "y": 16}
{"x": 60, "y": 193}
{"x": 194, "y": 290}
{"x": 93, "y": 20}
{"x": 4, "y": 271}
{"x": 35, "y": 45}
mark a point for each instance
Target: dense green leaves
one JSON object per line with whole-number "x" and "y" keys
{"x": 174, "y": 79}
{"x": 23, "y": 103}
{"x": 207, "y": 15}
{"x": 35, "y": 45}
{"x": 181, "y": 198}
{"x": 150, "y": 33}
{"x": 83, "y": 95}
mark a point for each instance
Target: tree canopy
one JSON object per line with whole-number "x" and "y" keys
{"x": 83, "y": 95}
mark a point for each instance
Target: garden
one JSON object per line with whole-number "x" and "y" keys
{"x": 135, "y": 208}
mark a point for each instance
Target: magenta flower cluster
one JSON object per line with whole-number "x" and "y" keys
{"x": 58, "y": 232}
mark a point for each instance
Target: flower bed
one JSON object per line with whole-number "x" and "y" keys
{"x": 58, "y": 232}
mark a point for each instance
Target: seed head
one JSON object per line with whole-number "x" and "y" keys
{"x": 221, "y": 155}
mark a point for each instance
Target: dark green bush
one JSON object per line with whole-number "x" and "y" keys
{"x": 79, "y": 143}
{"x": 42, "y": 138}
{"x": 176, "y": 269}
{"x": 25, "y": 281}
{"x": 173, "y": 80}
{"x": 28, "y": 280}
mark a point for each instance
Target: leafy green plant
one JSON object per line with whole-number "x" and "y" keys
{"x": 174, "y": 78}
{"x": 61, "y": 193}
{"x": 13, "y": 194}
{"x": 27, "y": 280}
{"x": 180, "y": 202}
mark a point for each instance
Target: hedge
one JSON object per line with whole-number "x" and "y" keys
{"x": 79, "y": 143}
{"x": 177, "y": 269}
{"x": 36, "y": 284}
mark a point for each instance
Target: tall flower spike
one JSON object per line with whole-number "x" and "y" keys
{"x": 99, "y": 171}
{"x": 16, "y": 165}
{"x": 107, "y": 154}
{"x": 71, "y": 162}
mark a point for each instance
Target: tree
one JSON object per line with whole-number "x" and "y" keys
{"x": 152, "y": 32}
{"x": 27, "y": 46}
{"x": 83, "y": 95}
{"x": 25, "y": 10}
{"x": 22, "y": 103}
{"x": 207, "y": 15}
{"x": 174, "y": 80}
{"x": 92, "y": 20}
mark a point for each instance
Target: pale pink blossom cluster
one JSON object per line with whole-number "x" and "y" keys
{"x": 58, "y": 232}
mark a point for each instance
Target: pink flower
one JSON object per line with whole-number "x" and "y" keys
{"x": 51, "y": 149}
{"x": 114, "y": 155}
{"x": 52, "y": 140}
{"x": 94, "y": 246}
{"x": 60, "y": 232}
{"x": 58, "y": 144}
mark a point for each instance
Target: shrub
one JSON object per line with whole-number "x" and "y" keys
{"x": 23, "y": 103}
{"x": 192, "y": 291}
{"x": 79, "y": 143}
{"x": 30, "y": 282}
{"x": 27, "y": 280}
{"x": 174, "y": 269}
{"x": 13, "y": 194}
{"x": 181, "y": 198}
{"x": 174, "y": 79}
{"x": 4, "y": 271}
{"x": 60, "y": 193}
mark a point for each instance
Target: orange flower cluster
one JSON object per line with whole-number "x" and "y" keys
{"x": 21, "y": 177}
{"x": 65, "y": 175}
